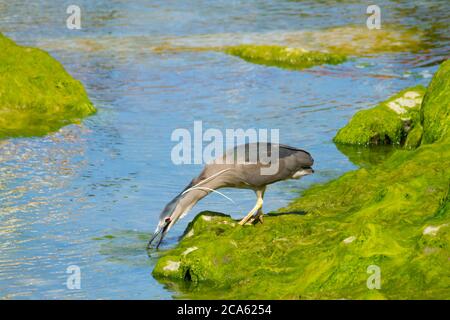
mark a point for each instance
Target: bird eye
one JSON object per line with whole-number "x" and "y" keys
{"x": 167, "y": 219}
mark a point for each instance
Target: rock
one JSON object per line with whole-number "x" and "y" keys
{"x": 388, "y": 123}
{"x": 169, "y": 268}
{"x": 433, "y": 230}
{"x": 172, "y": 266}
{"x": 190, "y": 233}
{"x": 189, "y": 250}
{"x": 349, "y": 240}
{"x": 409, "y": 100}
{"x": 37, "y": 95}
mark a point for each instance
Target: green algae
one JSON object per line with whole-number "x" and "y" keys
{"x": 414, "y": 137}
{"x": 284, "y": 57}
{"x": 435, "y": 112}
{"x": 387, "y": 123}
{"x": 106, "y": 237}
{"x": 37, "y": 95}
{"x": 394, "y": 215}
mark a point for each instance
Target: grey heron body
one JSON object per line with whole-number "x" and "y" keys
{"x": 249, "y": 166}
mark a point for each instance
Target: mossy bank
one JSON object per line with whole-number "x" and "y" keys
{"x": 393, "y": 217}
{"x": 37, "y": 95}
{"x": 394, "y": 121}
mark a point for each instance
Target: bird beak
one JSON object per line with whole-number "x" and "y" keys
{"x": 169, "y": 216}
{"x": 309, "y": 170}
{"x": 159, "y": 231}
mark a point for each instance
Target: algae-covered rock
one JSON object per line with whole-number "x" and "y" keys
{"x": 392, "y": 218}
{"x": 284, "y": 57}
{"x": 37, "y": 95}
{"x": 435, "y": 111}
{"x": 189, "y": 262}
{"x": 387, "y": 123}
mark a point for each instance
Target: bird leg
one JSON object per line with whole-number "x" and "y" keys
{"x": 256, "y": 209}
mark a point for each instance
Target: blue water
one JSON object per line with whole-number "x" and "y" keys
{"x": 90, "y": 194}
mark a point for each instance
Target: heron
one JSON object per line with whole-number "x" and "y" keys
{"x": 251, "y": 166}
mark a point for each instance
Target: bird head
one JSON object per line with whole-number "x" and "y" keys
{"x": 305, "y": 163}
{"x": 173, "y": 211}
{"x": 167, "y": 218}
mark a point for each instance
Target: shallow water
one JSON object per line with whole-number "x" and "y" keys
{"x": 90, "y": 195}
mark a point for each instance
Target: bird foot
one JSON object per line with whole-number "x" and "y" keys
{"x": 258, "y": 218}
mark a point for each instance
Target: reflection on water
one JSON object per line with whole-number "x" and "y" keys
{"x": 366, "y": 157}
{"x": 90, "y": 195}
{"x": 125, "y": 247}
